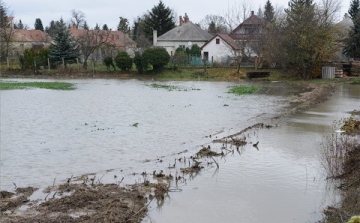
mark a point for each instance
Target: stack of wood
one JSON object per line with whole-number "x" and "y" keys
{"x": 355, "y": 68}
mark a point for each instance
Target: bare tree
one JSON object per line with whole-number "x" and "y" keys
{"x": 77, "y": 18}
{"x": 236, "y": 13}
{"x": 214, "y": 24}
{"x": 7, "y": 32}
{"x": 91, "y": 40}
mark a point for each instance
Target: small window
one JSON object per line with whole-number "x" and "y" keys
{"x": 217, "y": 41}
{"x": 182, "y": 46}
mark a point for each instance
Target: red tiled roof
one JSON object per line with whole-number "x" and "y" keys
{"x": 252, "y": 21}
{"x": 117, "y": 38}
{"x": 23, "y": 35}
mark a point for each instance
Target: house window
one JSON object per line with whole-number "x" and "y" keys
{"x": 217, "y": 41}
{"x": 182, "y": 46}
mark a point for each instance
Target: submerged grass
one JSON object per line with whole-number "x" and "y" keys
{"x": 44, "y": 85}
{"x": 240, "y": 90}
{"x": 164, "y": 86}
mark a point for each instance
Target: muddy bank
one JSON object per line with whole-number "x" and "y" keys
{"x": 343, "y": 170}
{"x": 78, "y": 201}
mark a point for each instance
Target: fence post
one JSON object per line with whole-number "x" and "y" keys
{"x": 8, "y": 62}
{"x": 77, "y": 62}
{"x": 63, "y": 62}
{"x": 48, "y": 60}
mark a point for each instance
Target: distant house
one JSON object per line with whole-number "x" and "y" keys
{"x": 344, "y": 27}
{"x": 115, "y": 41}
{"x": 184, "y": 35}
{"x": 221, "y": 49}
{"x": 27, "y": 39}
{"x": 247, "y": 33}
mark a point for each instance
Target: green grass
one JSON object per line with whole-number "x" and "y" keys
{"x": 27, "y": 85}
{"x": 356, "y": 81}
{"x": 240, "y": 90}
{"x": 164, "y": 86}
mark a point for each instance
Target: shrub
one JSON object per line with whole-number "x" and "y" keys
{"x": 108, "y": 61}
{"x": 180, "y": 57}
{"x": 123, "y": 60}
{"x": 138, "y": 63}
{"x": 158, "y": 57}
{"x": 27, "y": 61}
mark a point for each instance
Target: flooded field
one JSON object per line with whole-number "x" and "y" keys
{"x": 121, "y": 127}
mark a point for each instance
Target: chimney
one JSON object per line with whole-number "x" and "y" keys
{"x": 252, "y": 12}
{"x": 73, "y": 26}
{"x": 180, "y": 21}
{"x": 186, "y": 18}
{"x": 154, "y": 37}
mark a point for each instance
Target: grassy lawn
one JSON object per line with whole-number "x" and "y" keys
{"x": 45, "y": 85}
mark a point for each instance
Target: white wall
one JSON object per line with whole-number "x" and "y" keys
{"x": 172, "y": 46}
{"x": 217, "y": 51}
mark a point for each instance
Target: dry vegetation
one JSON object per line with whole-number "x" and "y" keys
{"x": 341, "y": 159}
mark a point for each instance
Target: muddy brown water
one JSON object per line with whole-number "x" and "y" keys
{"x": 48, "y": 136}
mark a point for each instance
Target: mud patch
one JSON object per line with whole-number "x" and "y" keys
{"x": 86, "y": 203}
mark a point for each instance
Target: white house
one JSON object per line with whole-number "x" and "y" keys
{"x": 184, "y": 35}
{"x": 221, "y": 49}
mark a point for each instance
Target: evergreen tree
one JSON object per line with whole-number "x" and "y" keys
{"x": 19, "y": 25}
{"x": 160, "y": 18}
{"x": 299, "y": 44}
{"x": 123, "y": 25}
{"x": 352, "y": 45}
{"x": 51, "y": 29}
{"x": 97, "y": 27}
{"x": 105, "y": 27}
{"x": 63, "y": 45}
{"x": 3, "y": 15}
{"x": 354, "y": 10}
{"x": 38, "y": 24}
{"x": 269, "y": 13}
{"x": 85, "y": 26}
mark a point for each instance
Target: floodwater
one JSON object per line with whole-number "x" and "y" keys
{"x": 48, "y": 136}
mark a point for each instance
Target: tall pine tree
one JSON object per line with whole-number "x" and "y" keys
{"x": 160, "y": 18}
{"x": 38, "y": 24}
{"x": 354, "y": 9}
{"x": 269, "y": 13}
{"x": 123, "y": 25}
{"x": 352, "y": 45}
{"x": 63, "y": 45}
{"x": 105, "y": 27}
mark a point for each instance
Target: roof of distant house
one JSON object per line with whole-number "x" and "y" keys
{"x": 186, "y": 31}
{"x": 253, "y": 20}
{"x": 23, "y": 35}
{"x": 117, "y": 38}
{"x": 346, "y": 22}
{"x": 225, "y": 37}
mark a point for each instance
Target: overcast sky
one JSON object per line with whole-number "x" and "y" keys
{"x": 109, "y": 11}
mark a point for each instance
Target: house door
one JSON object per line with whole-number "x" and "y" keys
{"x": 206, "y": 56}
